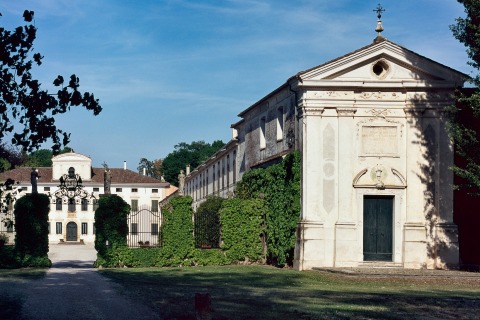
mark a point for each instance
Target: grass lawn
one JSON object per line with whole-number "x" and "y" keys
{"x": 259, "y": 292}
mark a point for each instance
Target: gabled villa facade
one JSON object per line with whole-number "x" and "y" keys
{"x": 370, "y": 127}
{"x": 73, "y": 221}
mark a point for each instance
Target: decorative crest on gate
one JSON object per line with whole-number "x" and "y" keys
{"x": 71, "y": 187}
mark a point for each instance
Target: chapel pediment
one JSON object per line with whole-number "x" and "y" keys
{"x": 384, "y": 62}
{"x": 81, "y": 163}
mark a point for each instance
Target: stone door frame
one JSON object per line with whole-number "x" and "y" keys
{"x": 398, "y": 217}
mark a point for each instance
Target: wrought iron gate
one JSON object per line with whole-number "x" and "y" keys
{"x": 144, "y": 228}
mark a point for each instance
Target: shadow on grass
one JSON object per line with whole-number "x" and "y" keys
{"x": 23, "y": 274}
{"x": 268, "y": 293}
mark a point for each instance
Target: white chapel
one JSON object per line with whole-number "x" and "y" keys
{"x": 376, "y": 184}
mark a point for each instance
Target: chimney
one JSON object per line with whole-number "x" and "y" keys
{"x": 144, "y": 171}
{"x": 124, "y": 165}
{"x": 188, "y": 169}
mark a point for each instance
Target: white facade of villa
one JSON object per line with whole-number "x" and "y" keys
{"x": 74, "y": 221}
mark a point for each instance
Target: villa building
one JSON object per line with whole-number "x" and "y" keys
{"x": 73, "y": 220}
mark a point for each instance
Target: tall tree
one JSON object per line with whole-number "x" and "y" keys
{"x": 39, "y": 158}
{"x": 152, "y": 168}
{"x": 193, "y": 154}
{"x": 27, "y": 111}
{"x": 144, "y": 166}
{"x": 465, "y": 122}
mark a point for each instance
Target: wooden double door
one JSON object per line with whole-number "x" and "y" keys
{"x": 72, "y": 231}
{"x": 377, "y": 228}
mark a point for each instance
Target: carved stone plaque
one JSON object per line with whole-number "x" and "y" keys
{"x": 379, "y": 140}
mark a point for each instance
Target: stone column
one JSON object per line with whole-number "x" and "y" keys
{"x": 345, "y": 226}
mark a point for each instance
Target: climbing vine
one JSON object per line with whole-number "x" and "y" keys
{"x": 279, "y": 186}
{"x": 242, "y": 229}
{"x": 176, "y": 234}
{"x": 258, "y": 225}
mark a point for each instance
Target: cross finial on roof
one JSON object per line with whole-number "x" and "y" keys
{"x": 379, "y": 10}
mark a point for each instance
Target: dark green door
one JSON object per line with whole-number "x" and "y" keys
{"x": 71, "y": 231}
{"x": 377, "y": 228}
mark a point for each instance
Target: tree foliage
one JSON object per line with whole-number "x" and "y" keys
{"x": 42, "y": 158}
{"x": 466, "y": 117}
{"x": 10, "y": 157}
{"x": 27, "y": 111}
{"x": 193, "y": 154}
{"x": 39, "y": 158}
{"x": 152, "y": 168}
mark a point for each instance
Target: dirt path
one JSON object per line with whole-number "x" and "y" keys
{"x": 73, "y": 289}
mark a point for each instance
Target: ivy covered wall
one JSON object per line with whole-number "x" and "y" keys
{"x": 258, "y": 225}
{"x": 279, "y": 186}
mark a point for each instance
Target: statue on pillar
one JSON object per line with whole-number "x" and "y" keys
{"x": 181, "y": 182}
{"x": 33, "y": 180}
{"x": 107, "y": 180}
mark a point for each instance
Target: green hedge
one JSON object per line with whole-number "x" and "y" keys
{"x": 110, "y": 225}
{"x": 242, "y": 229}
{"x": 31, "y": 226}
{"x": 207, "y": 222}
{"x": 156, "y": 257}
{"x": 176, "y": 233}
{"x": 176, "y": 238}
{"x": 9, "y": 258}
{"x": 259, "y": 224}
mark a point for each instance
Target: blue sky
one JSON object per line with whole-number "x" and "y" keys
{"x": 181, "y": 70}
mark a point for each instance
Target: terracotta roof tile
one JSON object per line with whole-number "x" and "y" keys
{"x": 119, "y": 176}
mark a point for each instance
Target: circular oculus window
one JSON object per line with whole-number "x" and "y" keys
{"x": 380, "y": 69}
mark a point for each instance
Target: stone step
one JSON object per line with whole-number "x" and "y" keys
{"x": 381, "y": 264}
{"x": 71, "y": 243}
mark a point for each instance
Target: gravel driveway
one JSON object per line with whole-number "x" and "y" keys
{"x": 73, "y": 289}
